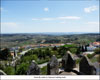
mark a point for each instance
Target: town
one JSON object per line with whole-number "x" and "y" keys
{"x": 66, "y": 58}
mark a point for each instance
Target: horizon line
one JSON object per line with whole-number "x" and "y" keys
{"x": 47, "y": 32}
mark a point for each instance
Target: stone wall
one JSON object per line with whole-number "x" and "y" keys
{"x": 68, "y": 66}
{"x": 53, "y": 66}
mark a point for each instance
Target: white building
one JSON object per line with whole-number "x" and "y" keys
{"x": 91, "y": 48}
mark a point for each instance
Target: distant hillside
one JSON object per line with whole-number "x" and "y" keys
{"x": 20, "y": 39}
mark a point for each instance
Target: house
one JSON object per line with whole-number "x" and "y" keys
{"x": 85, "y": 53}
{"x": 96, "y": 44}
{"x": 91, "y": 48}
{"x": 14, "y": 54}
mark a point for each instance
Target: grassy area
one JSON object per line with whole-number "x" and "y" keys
{"x": 42, "y": 61}
{"x": 94, "y": 59}
{"x": 70, "y": 45}
{"x": 77, "y": 61}
{"x": 44, "y": 70}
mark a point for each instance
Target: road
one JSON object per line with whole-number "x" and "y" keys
{"x": 45, "y": 64}
{"x": 40, "y": 65}
{"x": 22, "y": 53}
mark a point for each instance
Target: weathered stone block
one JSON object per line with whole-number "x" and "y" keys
{"x": 86, "y": 67}
{"x": 33, "y": 69}
{"x": 68, "y": 63}
{"x": 52, "y": 66}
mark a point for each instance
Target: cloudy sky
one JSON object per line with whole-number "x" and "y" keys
{"x": 29, "y": 16}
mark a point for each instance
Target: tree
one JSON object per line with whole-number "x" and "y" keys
{"x": 48, "y": 52}
{"x": 9, "y": 70}
{"x": 98, "y": 39}
{"x": 62, "y": 50}
{"x": 54, "y": 48}
{"x": 82, "y": 48}
{"x": 34, "y": 57}
{"x": 97, "y": 51}
{"x": 26, "y": 59}
{"x": 44, "y": 55}
{"x": 78, "y": 50}
{"x": 22, "y": 69}
{"x": 98, "y": 58}
{"x": 40, "y": 54}
{"x": 85, "y": 47}
{"x": 54, "y": 53}
{"x": 73, "y": 50}
{"x": 5, "y": 54}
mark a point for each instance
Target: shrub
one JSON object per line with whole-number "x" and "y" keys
{"x": 26, "y": 59}
{"x": 54, "y": 53}
{"x": 73, "y": 50}
{"x": 42, "y": 61}
{"x": 34, "y": 57}
{"x": 97, "y": 50}
{"x": 77, "y": 61}
{"x": 22, "y": 69}
{"x": 44, "y": 70}
{"x": 98, "y": 58}
{"x": 89, "y": 56}
{"x": 94, "y": 59}
{"x": 9, "y": 70}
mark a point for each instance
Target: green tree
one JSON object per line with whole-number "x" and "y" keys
{"x": 5, "y": 54}
{"x": 22, "y": 69}
{"x": 62, "y": 50}
{"x": 98, "y": 58}
{"x": 34, "y": 57}
{"x": 9, "y": 70}
{"x": 89, "y": 56}
{"x": 54, "y": 53}
{"x": 85, "y": 47}
{"x": 78, "y": 50}
{"x": 48, "y": 52}
{"x": 26, "y": 59}
{"x": 82, "y": 47}
{"x": 97, "y": 51}
{"x": 73, "y": 50}
{"x": 54, "y": 48}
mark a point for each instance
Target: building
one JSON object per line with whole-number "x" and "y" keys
{"x": 96, "y": 44}
{"x": 91, "y": 48}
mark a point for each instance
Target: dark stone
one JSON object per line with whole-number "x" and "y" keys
{"x": 77, "y": 72}
{"x": 86, "y": 67}
{"x": 33, "y": 69}
{"x": 97, "y": 66}
{"x": 52, "y": 66}
{"x": 80, "y": 55}
{"x": 68, "y": 63}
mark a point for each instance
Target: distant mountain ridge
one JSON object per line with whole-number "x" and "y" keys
{"x": 51, "y": 33}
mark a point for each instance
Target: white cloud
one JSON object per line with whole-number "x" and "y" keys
{"x": 9, "y": 24}
{"x": 93, "y": 23}
{"x": 69, "y": 17}
{"x": 63, "y": 22}
{"x": 46, "y": 9}
{"x": 34, "y": 19}
{"x": 90, "y": 9}
{"x": 47, "y": 19}
{"x": 59, "y": 18}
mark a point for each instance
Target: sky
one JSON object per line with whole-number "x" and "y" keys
{"x": 32, "y": 16}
